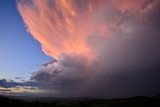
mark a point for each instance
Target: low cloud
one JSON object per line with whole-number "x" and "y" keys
{"x": 9, "y": 84}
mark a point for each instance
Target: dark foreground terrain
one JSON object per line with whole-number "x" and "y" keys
{"x": 81, "y": 102}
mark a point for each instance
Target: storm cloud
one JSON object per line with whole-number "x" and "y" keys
{"x": 113, "y": 52}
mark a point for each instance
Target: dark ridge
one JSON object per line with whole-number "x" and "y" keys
{"x": 140, "y": 101}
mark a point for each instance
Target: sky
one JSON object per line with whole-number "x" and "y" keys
{"x": 20, "y": 53}
{"x": 80, "y": 48}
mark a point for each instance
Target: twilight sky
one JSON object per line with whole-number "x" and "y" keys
{"x": 80, "y": 48}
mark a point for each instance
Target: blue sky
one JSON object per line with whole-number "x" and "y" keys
{"x": 20, "y": 54}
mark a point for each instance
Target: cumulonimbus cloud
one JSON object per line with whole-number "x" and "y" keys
{"x": 95, "y": 44}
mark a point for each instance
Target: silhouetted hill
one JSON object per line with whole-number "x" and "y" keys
{"x": 81, "y": 102}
